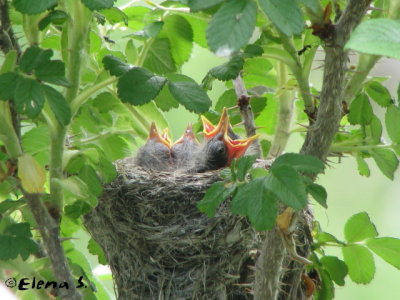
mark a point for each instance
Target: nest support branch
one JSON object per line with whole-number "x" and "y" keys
{"x": 160, "y": 246}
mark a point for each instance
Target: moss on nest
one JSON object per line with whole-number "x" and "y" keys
{"x": 158, "y": 244}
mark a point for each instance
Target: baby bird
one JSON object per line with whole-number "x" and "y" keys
{"x": 184, "y": 149}
{"x": 156, "y": 153}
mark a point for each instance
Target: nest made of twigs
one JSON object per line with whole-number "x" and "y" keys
{"x": 160, "y": 246}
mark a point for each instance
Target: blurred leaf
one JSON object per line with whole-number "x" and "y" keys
{"x": 336, "y": 268}
{"x": 286, "y": 184}
{"x": 10, "y": 205}
{"x": 363, "y": 168}
{"x": 265, "y": 146}
{"x": 188, "y": 93}
{"x": 285, "y": 15}
{"x": 115, "y": 66}
{"x": 314, "y": 5}
{"x": 98, "y": 4}
{"x": 256, "y": 72}
{"x": 138, "y": 86}
{"x": 392, "y": 123}
{"x": 196, "y": 5}
{"x": 360, "y": 263}
{"x": 180, "y": 35}
{"x": 19, "y": 229}
{"x": 95, "y": 249}
{"x": 243, "y": 165}
{"x": 199, "y": 27}
{"x": 56, "y": 17}
{"x": 253, "y": 50}
{"x": 159, "y": 57}
{"x": 33, "y": 7}
{"x": 300, "y": 162}
{"x": 319, "y": 193}
{"x": 31, "y": 174}
{"x": 17, "y": 241}
{"x": 229, "y": 70}
{"x": 8, "y": 83}
{"x": 214, "y": 196}
{"x": 131, "y": 52}
{"x": 231, "y": 27}
{"x": 58, "y": 105}
{"x": 9, "y": 62}
{"x": 165, "y": 101}
{"x": 151, "y": 112}
{"x": 75, "y": 186}
{"x": 258, "y": 104}
{"x": 29, "y": 97}
{"x": 377, "y": 92}
{"x": 386, "y": 161}
{"x": 359, "y": 227}
{"x": 227, "y": 99}
{"x": 89, "y": 176}
{"x": 387, "y": 248}
{"x": 375, "y": 129}
{"x": 326, "y": 291}
{"x": 77, "y": 209}
{"x": 376, "y": 36}
{"x": 34, "y": 57}
{"x": 114, "y": 15}
{"x": 325, "y": 237}
{"x": 360, "y": 111}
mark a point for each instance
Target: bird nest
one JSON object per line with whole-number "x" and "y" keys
{"x": 160, "y": 246}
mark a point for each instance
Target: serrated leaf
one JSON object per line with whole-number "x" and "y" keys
{"x": 58, "y": 105}
{"x": 31, "y": 174}
{"x": 115, "y": 66}
{"x": 199, "y": 27}
{"x": 376, "y": 36}
{"x": 95, "y": 249}
{"x": 243, "y": 165}
{"x": 29, "y": 97}
{"x": 8, "y": 83}
{"x": 180, "y": 35}
{"x": 12, "y": 246}
{"x": 138, "y": 86}
{"x": 360, "y": 111}
{"x": 360, "y": 263}
{"x": 377, "y": 92}
{"x": 285, "y": 15}
{"x": 285, "y": 182}
{"x": 362, "y": 165}
{"x": 188, "y": 93}
{"x": 359, "y": 228}
{"x": 196, "y": 5}
{"x": 33, "y": 7}
{"x": 229, "y": 70}
{"x": 300, "y": 162}
{"x": 336, "y": 268}
{"x": 231, "y": 27}
{"x": 214, "y": 196}
{"x": 386, "y": 161}
{"x": 159, "y": 57}
{"x": 34, "y": 57}
{"x": 392, "y": 122}
{"x": 98, "y": 4}
{"x": 387, "y": 248}
{"x": 319, "y": 193}
{"x": 165, "y": 101}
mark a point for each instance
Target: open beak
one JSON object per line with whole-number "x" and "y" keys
{"x": 163, "y": 138}
{"x": 237, "y": 148}
{"x": 188, "y": 135}
{"x": 210, "y": 130}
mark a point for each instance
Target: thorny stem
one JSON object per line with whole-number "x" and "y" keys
{"x": 338, "y": 148}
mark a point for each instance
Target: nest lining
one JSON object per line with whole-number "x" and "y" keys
{"x": 160, "y": 246}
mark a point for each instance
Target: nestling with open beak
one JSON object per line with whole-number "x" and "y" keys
{"x": 156, "y": 153}
{"x": 184, "y": 149}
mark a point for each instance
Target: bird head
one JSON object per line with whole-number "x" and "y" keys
{"x": 162, "y": 138}
{"x": 188, "y": 136}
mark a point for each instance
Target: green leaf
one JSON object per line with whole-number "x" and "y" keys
{"x": 377, "y": 92}
{"x": 89, "y": 176}
{"x": 256, "y": 72}
{"x": 376, "y": 36}
{"x": 387, "y": 248}
{"x": 253, "y": 50}
{"x": 196, "y": 5}
{"x": 375, "y": 129}
{"x": 300, "y": 162}
{"x": 360, "y": 263}
{"x": 231, "y": 27}
{"x": 285, "y": 15}
{"x": 131, "y": 52}
{"x": 95, "y": 249}
{"x": 188, "y": 93}
{"x": 392, "y": 123}
{"x": 199, "y": 27}
{"x": 243, "y": 165}
{"x": 98, "y": 4}
{"x": 8, "y": 83}
{"x": 326, "y": 290}
{"x": 214, "y": 196}
{"x": 165, "y": 101}
{"x": 19, "y": 229}
{"x": 227, "y": 99}
{"x": 10, "y": 60}
{"x": 10, "y": 205}
{"x": 138, "y": 86}
{"x": 57, "y": 17}
{"x": 229, "y": 70}
{"x": 314, "y": 5}
{"x": 359, "y": 227}
{"x": 360, "y": 111}
{"x": 363, "y": 168}
{"x": 77, "y": 209}
{"x": 115, "y": 66}
{"x": 33, "y": 7}
{"x": 29, "y": 97}
{"x": 319, "y": 193}
{"x": 17, "y": 241}
{"x": 336, "y": 268}
{"x": 159, "y": 57}
{"x": 180, "y": 35}
{"x": 386, "y": 161}
{"x": 286, "y": 184}
{"x": 325, "y": 237}
{"x": 53, "y": 72}
{"x": 114, "y": 16}
{"x": 58, "y": 105}
{"x": 34, "y": 57}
